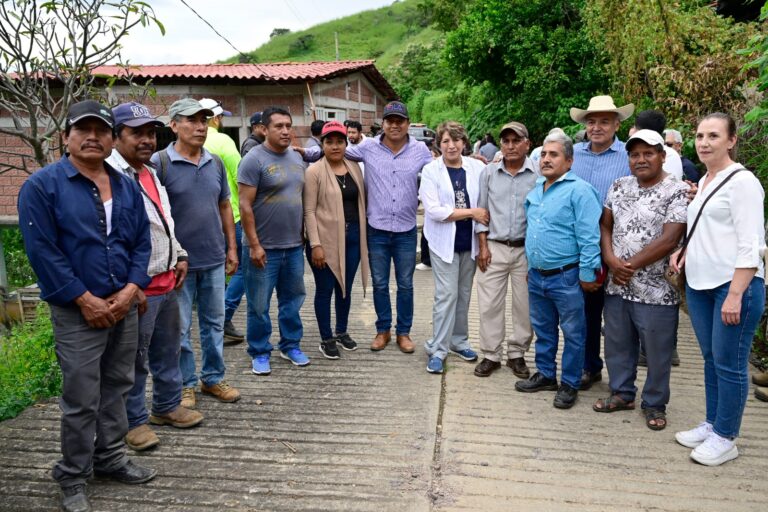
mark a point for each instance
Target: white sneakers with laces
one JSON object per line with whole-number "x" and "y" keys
{"x": 694, "y": 437}
{"x": 709, "y": 448}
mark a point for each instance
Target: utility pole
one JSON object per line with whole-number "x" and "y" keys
{"x": 336, "y": 38}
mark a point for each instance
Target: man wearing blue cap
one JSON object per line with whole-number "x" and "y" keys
{"x": 256, "y": 137}
{"x": 159, "y": 327}
{"x": 87, "y": 238}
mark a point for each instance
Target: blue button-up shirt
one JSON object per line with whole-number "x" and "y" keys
{"x": 391, "y": 180}
{"x": 63, "y": 221}
{"x": 564, "y": 226}
{"x": 600, "y": 169}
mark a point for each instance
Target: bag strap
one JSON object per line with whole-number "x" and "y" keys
{"x": 698, "y": 216}
{"x": 165, "y": 162}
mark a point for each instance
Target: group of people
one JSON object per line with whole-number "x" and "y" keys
{"x": 126, "y": 239}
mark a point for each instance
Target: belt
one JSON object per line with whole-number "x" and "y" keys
{"x": 555, "y": 271}
{"x": 511, "y": 243}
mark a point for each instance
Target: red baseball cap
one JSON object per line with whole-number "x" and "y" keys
{"x": 333, "y": 127}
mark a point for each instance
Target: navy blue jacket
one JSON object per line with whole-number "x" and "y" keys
{"x": 63, "y": 221}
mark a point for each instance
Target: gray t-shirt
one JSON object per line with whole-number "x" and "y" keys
{"x": 278, "y": 207}
{"x": 195, "y": 191}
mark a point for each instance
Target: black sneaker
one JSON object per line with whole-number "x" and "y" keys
{"x": 537, "y": 382}
{"x": 231, "y": 335}
{"x": 74, "y": 499}
{"x": 346, "y": 342}
{"x": 565, "y": 397}
{"x": 329, "y": 349}
{"x": 588, "y": 378}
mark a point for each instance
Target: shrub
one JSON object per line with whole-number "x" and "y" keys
{"x": 29, "y": 370}
{"x": 20, "y": 273}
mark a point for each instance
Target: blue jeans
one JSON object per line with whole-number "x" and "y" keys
{"x": 236, "y": 287}
{"x": 726, "y": 351}
{"x": 326, "y": 284}
{"x": 284, "y": 271}
{"x": 557, "y": 300}
{"x": 385, "y": 247}
{"x": 593, "y": 309}
{"x": 206, "y": 287}
{"x": 158, "y": 352}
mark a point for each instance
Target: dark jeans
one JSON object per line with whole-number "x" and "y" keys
{"x": 385, "y": 248}
{"x": 158, "y": 352}
{"x": 726, "y": 351}
{"x": 326, "y": 285}
{"x": 97, "y": 366}
{"x": 236, "y": 286}
{"x": 425, "y": 256}
{"x": 593, "y": 310}
{"x": 627, "y": 325}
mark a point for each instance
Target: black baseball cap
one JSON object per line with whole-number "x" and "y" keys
{"x": 395, "y": 108}
{"x": 89, "y": 108}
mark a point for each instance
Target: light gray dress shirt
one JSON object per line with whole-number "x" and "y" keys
{"x": 503, "y": 195}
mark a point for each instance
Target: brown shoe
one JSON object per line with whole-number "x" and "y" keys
{"x": 141, "y": 438}
{"x": 761, "y": 393}
{"x": 188, "y": 400}
{"x": 486, "y": 367}
{"x": 760, "y": 379}
{"x": 519, "y": 367}
{"x": 405, "y": 344}
{"x": 222, "y": 391}
{"x": 180, "y": 417}
{"x": 380, "y": 341}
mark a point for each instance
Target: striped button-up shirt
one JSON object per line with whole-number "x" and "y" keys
{"x": 391, "y": 180}
{"x": 600, "y": 169}
{"x": 563, "y": 226}
{"x": 503, "y": 195}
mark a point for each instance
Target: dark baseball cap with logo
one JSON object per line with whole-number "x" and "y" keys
{"x": 89, "y": 108}
{"x": 133, "y": 114}
{"x": 395, "y": 108}
{"x": 256, "y": 119}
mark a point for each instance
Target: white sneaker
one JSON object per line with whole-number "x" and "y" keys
{"x": 422, "y": 266}
{"x": 694, "y": 437}
{"x": 715, "y": 451}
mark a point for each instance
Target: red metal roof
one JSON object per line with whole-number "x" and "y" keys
{"x": 272, "y": 70}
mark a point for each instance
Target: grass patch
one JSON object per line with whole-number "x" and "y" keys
{"x": 29, "y": 370}
{"x": 20, "y": 273}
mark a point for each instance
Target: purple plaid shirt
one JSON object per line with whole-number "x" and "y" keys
{"x": 391, "y": 180}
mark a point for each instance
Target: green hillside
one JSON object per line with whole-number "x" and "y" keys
{"x": 380, "y": 34}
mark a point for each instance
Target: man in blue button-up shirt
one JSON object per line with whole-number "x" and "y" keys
{"x": 562, "y": 243}
{"x": 86, "y": 234}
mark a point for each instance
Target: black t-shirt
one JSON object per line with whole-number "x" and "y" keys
{"x": 349, "y": 193}
{"x": 463, "y": 240}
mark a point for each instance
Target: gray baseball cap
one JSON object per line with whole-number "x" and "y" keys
{"x": 188, "y": 107}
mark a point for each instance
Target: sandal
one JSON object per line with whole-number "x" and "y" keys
{"x": 612, "y": 404}
{"x": 659, "y": 418}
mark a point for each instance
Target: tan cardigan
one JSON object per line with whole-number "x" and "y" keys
{"x": 324, "y": 217}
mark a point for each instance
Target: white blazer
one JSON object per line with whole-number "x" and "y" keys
{"x": 437, "y": 196}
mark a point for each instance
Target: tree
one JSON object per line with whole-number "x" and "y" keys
{"x": 279, "y": 32}
{"x": 48, "y": 50}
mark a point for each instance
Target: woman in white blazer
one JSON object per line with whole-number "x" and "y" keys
{"x": 449, "y": 190}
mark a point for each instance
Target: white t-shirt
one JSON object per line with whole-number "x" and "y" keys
{"x": 673, "y": 164}
{"x": 730, "y": 233}
{"x": 108, "y": 211}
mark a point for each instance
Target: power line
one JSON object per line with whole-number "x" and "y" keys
{"x": 247, "y": 57}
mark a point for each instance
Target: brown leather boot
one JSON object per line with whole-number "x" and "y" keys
{"x": 380, "y": 341}
{"x": 760, "y": 379}
{"x": 221, "y": 391}
{"x": 180, "y": 417}
{"x": 141, "y": 438}
{"x": 405, "y": 343}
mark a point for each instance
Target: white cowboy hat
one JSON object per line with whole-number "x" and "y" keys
{"x": 601, "y": 104}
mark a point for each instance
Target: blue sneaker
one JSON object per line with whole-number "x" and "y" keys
{"x": 260, "y": 365}
{"x": 466, "y": 354}
{"x": 296, "y": 356}
{"x": 435, "y": 365}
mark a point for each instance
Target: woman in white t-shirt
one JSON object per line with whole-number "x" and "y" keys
{"x": 725, "y": 286}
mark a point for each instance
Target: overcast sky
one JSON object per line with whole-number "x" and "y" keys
{"x": 246, "y": 23}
